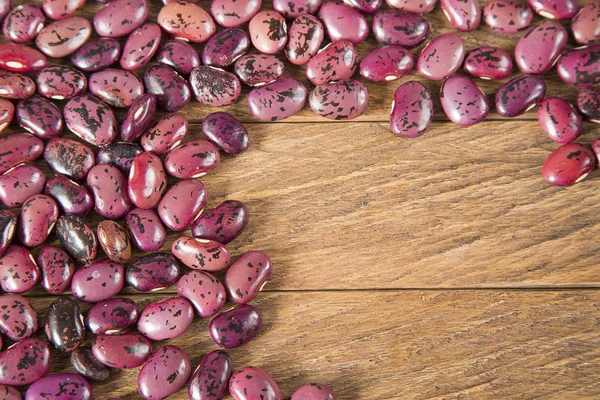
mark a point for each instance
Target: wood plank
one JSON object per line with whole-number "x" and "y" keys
{"x": 381, "y": 94}
{"x": 412, "y": 344}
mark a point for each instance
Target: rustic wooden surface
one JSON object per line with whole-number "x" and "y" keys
{"x": 433, "y": 268}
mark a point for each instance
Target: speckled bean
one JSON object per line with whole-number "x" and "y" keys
{"x": 19, "y": 58}
{"x": 145, "y": 229}
{"x": 15, "y": 86}
{"x": 64, "y": 324}
{"x": 539, "y": 48}
{"x": 519, "y": 95}
{"x": 69, "y": 157}
{"x": 77, "y": 238}
{"x": 295, "y": 8}
{"x": 25, "y": 362}
{"x": 99, "y": 281}
{"x": 335, "y": 62}
{"x": 8, "y": 392}
{"x": 442, "y": 57}
{"x": 304, "y": 39}
{"x": 167, "y": 133}
{"x": 559, "y": 120}
{"x": 588, "y": 103}
{"x": 192, "y": 159}
{"x": 247, "y": 276}
{"x": 463, "y": 101}
{"x": 555, "y": 9}
{"x": 580, "y": 66}
{"x": 71, "y": 197}
{"x": 40, "y": 117}
{"x": 568, "y": 164}
{"x": 116, "y": 87}
{"x": 211, "y": 378}
{"x": 18, "y": 148}
{"x": 57, "y": 269}
{"x": 340, "y": 101}
{"x": 277, "y": 100}
{"x": 489, "y": 63}
{"x": 586, "y": 24}
{"x": 164, "y": 373}
{"x": 166, "y": 319}
{"x": 18, "y": 270}
{"x": 153, "y": 272}
{"x": 413, "y": 6}
{"x": 120, "y": 17}
{"x": 18, "y": 320}
{"x": 226, "y": 132}
{"x": 91, "y": 120}
{"x": 205, "y": 292}
{"x": 59, "y": 9}
{"x": 23, "y": 23}
{"x": 87, "y": 365}
{"x": 507, "y": 16}
{"x": 386, "y": 63}
{"x": 96, "y": 55}
{"x": 112, "y": 316}
{"x": 249, "y": 383}
{"x": 259, "y": 69}
{"x": 182, "y": 204}
{"x": 64, "y": 37}
{"x": 109, "y": 188}
{"x": 140, "y": 47}
{"x": 464, "y": 15}
{"x": 129, "y": 350}
{"x": 268, "y": 31}
{"x": 225, "y": 47}
{"x": 312, "y": 391}
{"x": 114, "y": 241}
{"x": 186, "y": 21}
{"x": 37, "y": 219}
{"x": 207, "y": 255}
{"x": 138, "y": 117}
{"x": 147, "y": 180}
{"x": 243, "y": 11}
{"x": 236, "y": 327}
{"x": 179, "y": 55}
{"x": 214, "y": 86}
{"x": 223, "y": 223}
{"x": 7, "y": 112}
{"x": 62, "y": 386}
{"x": 412, "y": 110}
{"x": 120, "y": 155}
{"x": 20, "y": 183}
{"x": 171, "y": 90}
{"x": 59, "y": 82}
{"x": 399, "y": 27}
{"x": 343, "y": 22}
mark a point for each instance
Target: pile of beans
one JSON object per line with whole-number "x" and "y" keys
{"x": 120, "y": 169}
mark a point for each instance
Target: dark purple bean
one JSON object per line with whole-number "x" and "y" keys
{"x": 71, "y": 197}
{"x": 226, "y": 132}
{"x": 400, "y": 28}
{"x": 225, "y": 47}
{"x": 64, "y": 324}
{"x": 96, "y": 55}
{"x": 214, "y": 86}
{"x": 138, "y": 117}
{"x": 519, "y": 95}
{"x": 40, "y": 117}
{"x": 57, "y": 269}
{"x": 489, "y": 63}
{"x": 179, "y": 55}
{"x": 88, "y": 366}
{"x": 8, "y": 227}
{"x": 69, "y": 157}
{"x": 120, "y": 155}
{"x": 236, "y": 327}
{"x": 211, "y": 378}
{"x": 223, "y": 223}
{"x": 145, "y": 229}
{"x": 171, "y": 90}
{"x": 588, "y": 102}
{"x": 77, "y": 238}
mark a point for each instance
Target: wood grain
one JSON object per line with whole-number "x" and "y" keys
{"x": 411, "y": 344}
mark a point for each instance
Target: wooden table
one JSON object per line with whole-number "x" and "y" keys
{"x": 437, "y": 267}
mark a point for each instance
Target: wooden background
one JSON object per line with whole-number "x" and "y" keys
{"x": 437, "y": 267}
